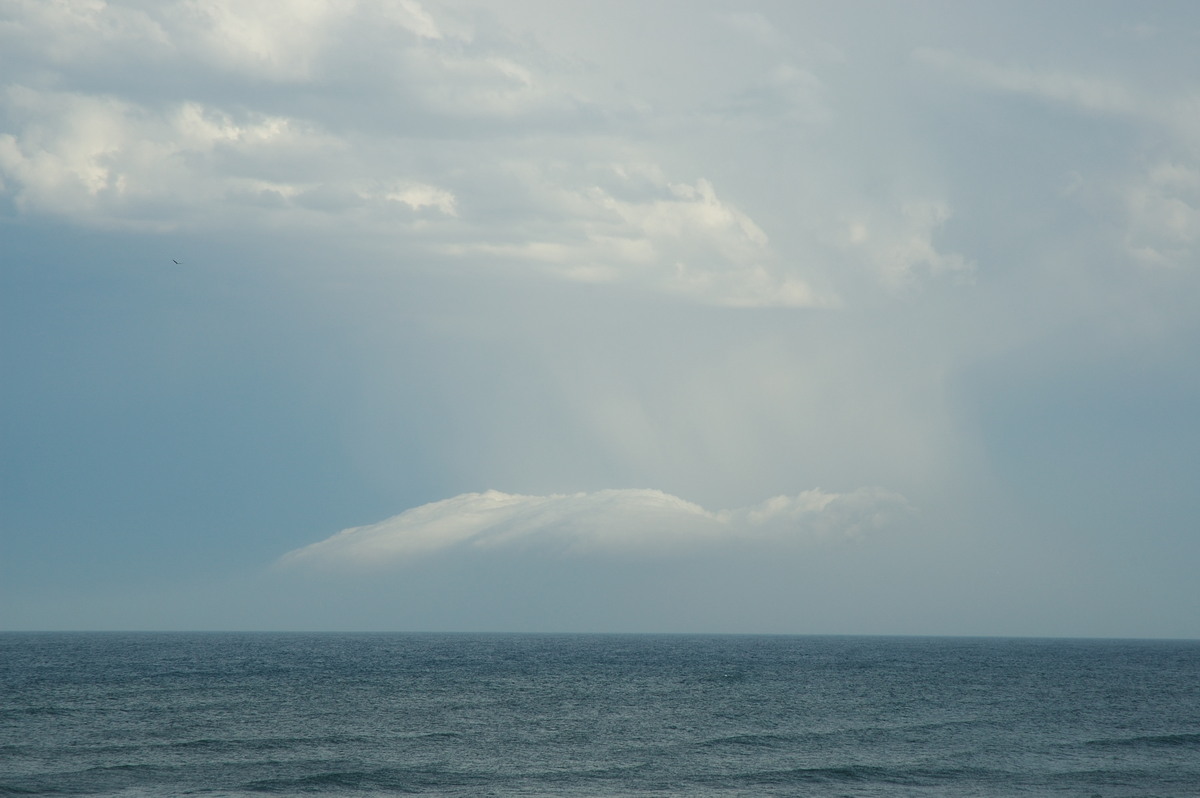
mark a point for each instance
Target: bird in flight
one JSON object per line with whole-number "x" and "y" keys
{"x": 177, "y": 263}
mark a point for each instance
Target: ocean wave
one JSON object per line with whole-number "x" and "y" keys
{"x": 10, "y": 789}
{"x": 598, "y": 716}
{"x": 401, "y": 780}
{"x": 873, "y": 774}
{"x": 33, "y": 711}
{"x": 806, "y": 775}
{"x": 750, "y": 740}
{"x": 1184, "y": 740}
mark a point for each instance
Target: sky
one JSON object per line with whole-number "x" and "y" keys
{"x": 747, "y": 317}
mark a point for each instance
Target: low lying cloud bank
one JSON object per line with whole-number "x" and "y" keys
{"x": 629, "y": 522}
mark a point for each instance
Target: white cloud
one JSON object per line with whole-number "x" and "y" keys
{"x": 410, "y": 15}
{"x": 1164, "y": 214}
{"x": 1092, "y": 94}
{"x": 899, "y": 247}
{"x": 1160, "y": 201}
{"x": 109, "y": 162}
{"x": 74, "y": 151}
{"x": 78, "y": 31}
{"x": 787, "y": 94}
{"x": 641, "y": 228}
{"x": 754, "y": 25}
{"x": 626, "y": 522}
{"x": 277, "y": 40}
{"x": 344, "y": 117}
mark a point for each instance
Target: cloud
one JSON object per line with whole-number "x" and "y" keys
{"x": 278, "y": 41}
{"x": 1164, "y": 216}
{"x": 1160, "y": 199}
{"x": 899, "y": 246}
{"x": 1087, "y": 93}
{"x": 78, "y": 32}
{"x": 433, "y": 130}
{"x": 108, "y": 161}
{"x": 621, "y": 522}
{"x": 112, "y": 156}
{"x": 626, "y": 222}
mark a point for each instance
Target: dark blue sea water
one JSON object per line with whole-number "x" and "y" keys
{"x": 595, "y": 715}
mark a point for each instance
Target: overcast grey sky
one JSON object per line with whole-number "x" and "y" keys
{"x": 600, "y": 316}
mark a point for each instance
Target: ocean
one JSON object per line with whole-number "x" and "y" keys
{"x": 164, "y": 714}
